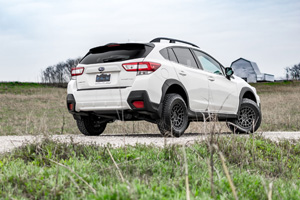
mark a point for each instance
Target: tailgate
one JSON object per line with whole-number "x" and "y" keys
{"x": 110, "y": 75}
{"x": 103, "y": 65}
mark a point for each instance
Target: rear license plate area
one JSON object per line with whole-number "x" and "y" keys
{"x": 102, "y": 78}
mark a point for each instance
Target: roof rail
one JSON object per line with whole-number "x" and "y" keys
{"x": 172, "y": 40}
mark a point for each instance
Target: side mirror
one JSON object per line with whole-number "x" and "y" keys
{"x": 229, "y": 72}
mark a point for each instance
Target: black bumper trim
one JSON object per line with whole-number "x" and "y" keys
{"x": 142, "y": 95}
{"x": 71, "y": 100}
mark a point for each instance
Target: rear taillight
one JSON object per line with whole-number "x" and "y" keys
{"x": 141, "y": 68}
{"x": 76, "y": 71}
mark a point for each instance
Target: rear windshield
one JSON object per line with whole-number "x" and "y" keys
{"x": 116, "y": 52}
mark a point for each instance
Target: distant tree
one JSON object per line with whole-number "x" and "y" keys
{"x": 293, "y": 72}
{"x": 287, "y": 73}
{"x": 59, "y": 73}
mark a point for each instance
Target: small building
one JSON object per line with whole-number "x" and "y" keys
{"x": 249, "y": 71}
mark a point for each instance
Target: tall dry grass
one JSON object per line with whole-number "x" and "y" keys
{"x": 35, "y": 111}
{"x": 43, "y": 111}
{"x": 280, "y": 106}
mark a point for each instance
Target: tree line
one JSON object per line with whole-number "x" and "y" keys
{"x": 293, "y": 73}
{"x": 59, "y": 73}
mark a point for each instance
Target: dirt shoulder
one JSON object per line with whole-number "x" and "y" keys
{"x": 117, "y": 140}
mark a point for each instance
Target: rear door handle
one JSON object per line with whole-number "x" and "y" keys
{"x": 182, "y": 73}
{"x": 211, "y": 78}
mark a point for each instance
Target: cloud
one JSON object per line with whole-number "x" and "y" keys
{"x": 36, "y": 34}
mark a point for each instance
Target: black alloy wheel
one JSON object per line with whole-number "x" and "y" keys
{"x": 177, "y": 116}
{"x": 246, "y": 117}
{"x": 174, "y": 120}
{"x": 249, "y": 118}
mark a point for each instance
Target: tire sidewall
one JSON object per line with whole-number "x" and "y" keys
{"x": 251, "y": 104}
{"x": 171, "y": 101}
{"x": 86, "y": 126}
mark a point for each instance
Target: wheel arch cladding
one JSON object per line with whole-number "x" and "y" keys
{"x": 246, "y": 93}
{"x": 173, "y": 86}
{"x": 249, "y": 95}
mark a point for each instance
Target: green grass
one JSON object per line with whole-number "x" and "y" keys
{"x": 19, "y": 87}
{"x": 275, "y": 83}
{"x": 20, "y": 84}
{"x": 151, "y": 172}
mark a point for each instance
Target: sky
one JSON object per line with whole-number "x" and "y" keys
{"x": 35, "y": 34}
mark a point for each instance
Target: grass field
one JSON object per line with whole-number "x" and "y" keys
{"x": 280, "y": 105}
{"x": 31, "y": 109}
{"x": 220, "y": 167}
{"x": 259, "y": 169}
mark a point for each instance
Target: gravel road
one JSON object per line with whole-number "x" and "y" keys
{"x": 7, "y": 143}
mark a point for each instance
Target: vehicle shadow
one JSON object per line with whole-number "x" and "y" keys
{"x": 155, "y": 135}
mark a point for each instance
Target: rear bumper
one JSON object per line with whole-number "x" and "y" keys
{"x": 150, "y": 111}
{"x": 99, "y": 99}
{"x": 102, "y": 99}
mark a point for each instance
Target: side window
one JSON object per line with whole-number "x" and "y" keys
{"x": 164, "y": 53}
{"x": 185, "y": 57}
{"x": 172, "y": 55}
{"x": 208, "y": 64}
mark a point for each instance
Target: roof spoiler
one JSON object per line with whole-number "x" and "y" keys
{"x": 172, "y": 40}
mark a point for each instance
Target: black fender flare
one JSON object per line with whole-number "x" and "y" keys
{"x": 242, "y": 93}
{"x": 167, "y": 84}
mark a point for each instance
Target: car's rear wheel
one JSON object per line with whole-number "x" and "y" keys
{"x": 249, "y": 118}
{"x": 91, "y": 125}
{"x": 174, "y": 120}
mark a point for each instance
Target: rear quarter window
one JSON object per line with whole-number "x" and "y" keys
{"x": 164, "y": 53}
{"x": 168, "y": 54}
{"x": 172, "y": 56}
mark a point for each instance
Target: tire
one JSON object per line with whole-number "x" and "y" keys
{"x": 91, "y": 125}
{"x": 174, "y": 120}
{"x": 249, "y": 118}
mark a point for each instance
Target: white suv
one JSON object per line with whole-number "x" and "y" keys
{"x": 170, "y": 84}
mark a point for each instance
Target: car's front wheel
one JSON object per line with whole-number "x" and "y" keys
{"x": 91, "y": 125}
{"x": 174, "y": 120}
{"x": 248, "y": 120}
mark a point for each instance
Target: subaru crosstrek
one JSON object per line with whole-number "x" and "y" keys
{"x": 167, "y": 83}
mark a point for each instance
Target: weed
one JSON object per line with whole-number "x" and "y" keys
{"x": 55, "y": 170}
